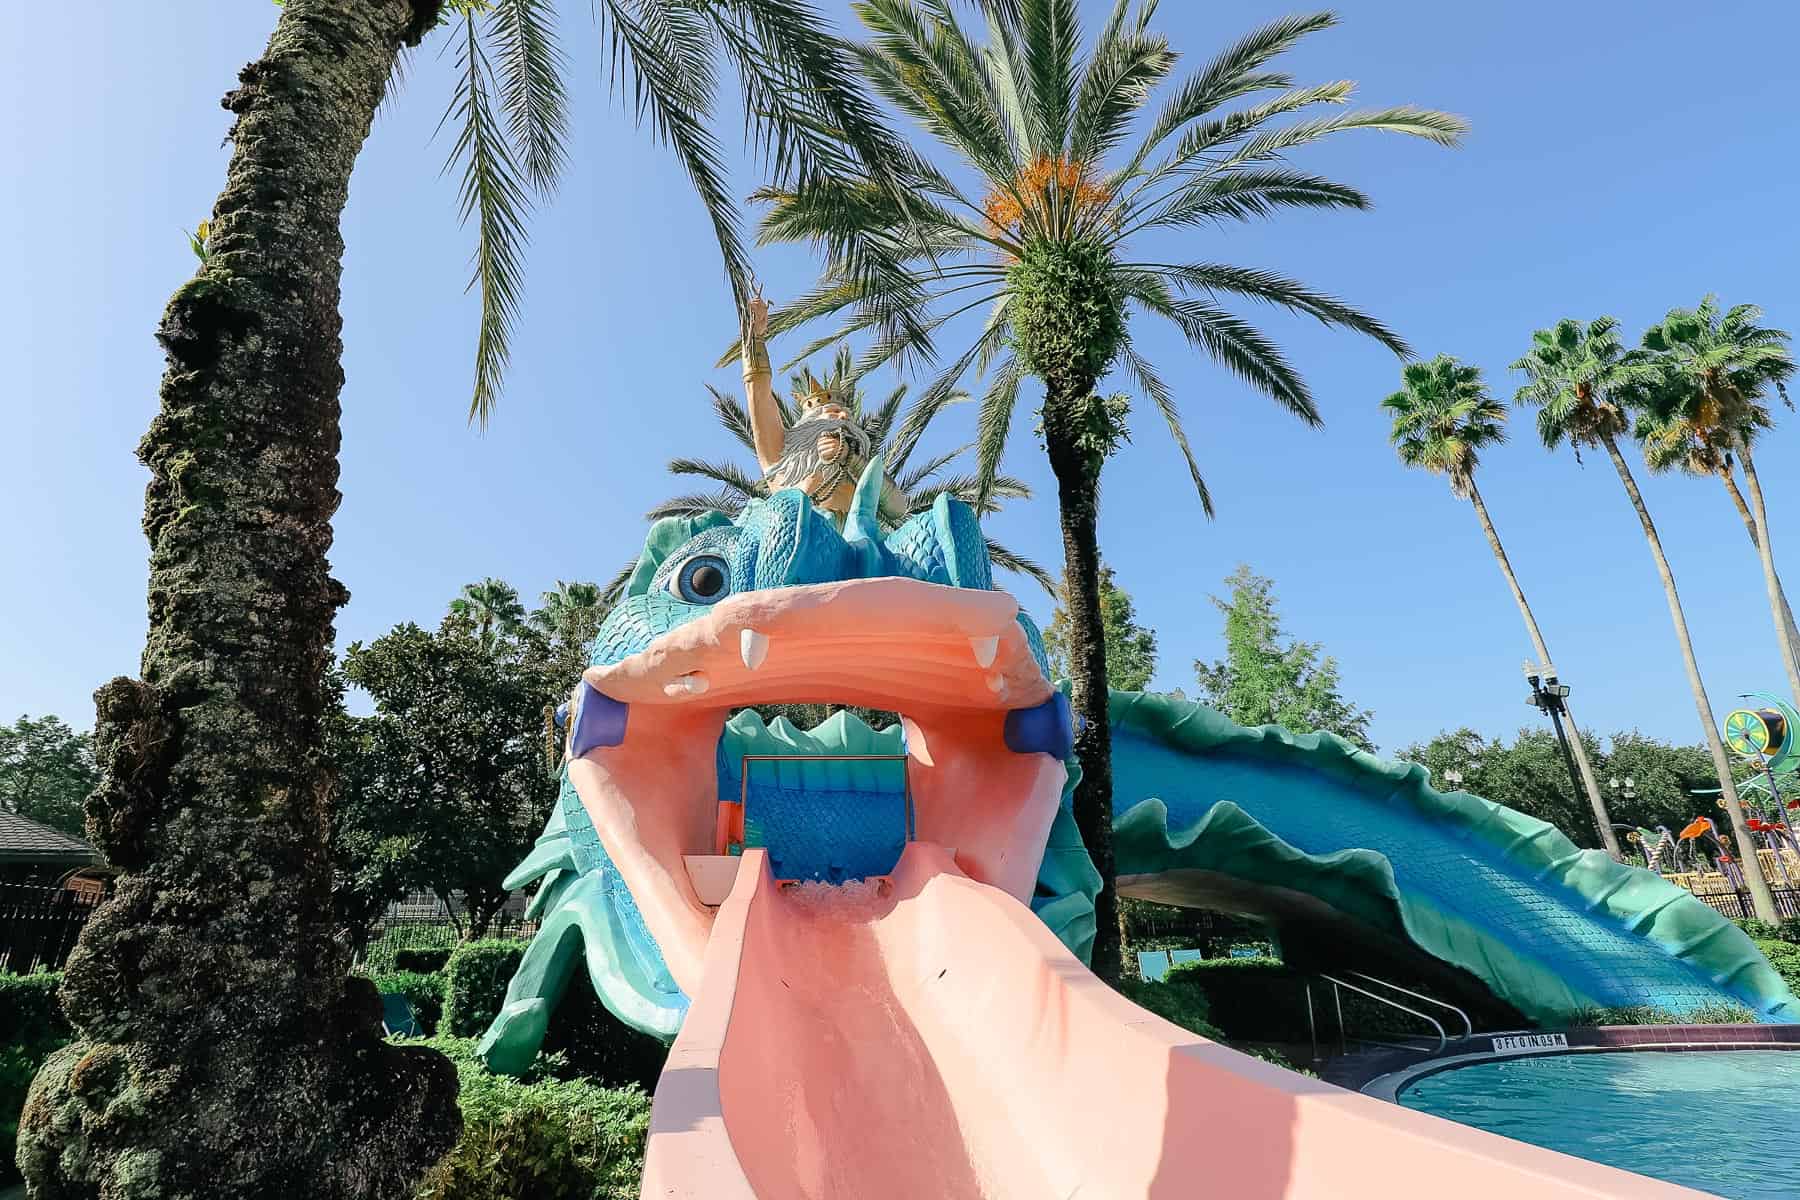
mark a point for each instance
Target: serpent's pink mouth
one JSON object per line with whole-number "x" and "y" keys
{"x": 954, "y": 662}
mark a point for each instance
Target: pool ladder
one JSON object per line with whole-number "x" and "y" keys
{"x": 1337, "y": 999}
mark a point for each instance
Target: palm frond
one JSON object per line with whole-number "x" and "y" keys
{"x": 914, "y": 479}
{"x": 735, "y": 480}
{"x": 613, "y": 590}
{"x": 531, "y": 86}
{"x": 1007, "y": 560}
{"x": 493, "y": 193}
{"x": 1118, "y": 81}
{"x": 733, "y": 416}
{"x": 695, "y": 503}
{"x": 664, "y": 50}
{"x": 994, "y": 423}
{"x": 1159, "y": 394}
{"x": 1271, "y": 287}
{"x": 1239, "y": 347}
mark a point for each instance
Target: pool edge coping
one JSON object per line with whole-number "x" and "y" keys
{"x": 1385, "y": 1076}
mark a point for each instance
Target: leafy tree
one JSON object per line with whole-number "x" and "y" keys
{"x": 1529, "y": 775}
{"x": 1130, "y": 648}
{"x": 1267, "y": 678}
{"x": 450, "y": 760}
{"x": 1717, "y": 370}
{"x": 493, "y": 606}
{"x": 1583, "y": 382}
{"x": 372, "y": 843}
{"x": 1444, "y": 417}
{"x": 211, "y": 981}
{"x": 1664, "y": 778}
{"x": 894, "y": 433}
{"x": 46, "y": 772}
{"x": 1051, "y": 251}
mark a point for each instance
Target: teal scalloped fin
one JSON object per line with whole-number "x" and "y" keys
{"x": 1549, "y": 928}
{"x": 964, "y": 545}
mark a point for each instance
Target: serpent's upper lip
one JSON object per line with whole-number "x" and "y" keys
{"x": 889, "y": 643}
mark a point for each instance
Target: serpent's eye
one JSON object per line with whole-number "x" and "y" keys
{"x": 702, "y": 579}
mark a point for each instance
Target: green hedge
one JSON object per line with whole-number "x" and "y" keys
{"x": 475, "y": 982}
{"x": 424, "y": 990}
{"x": 1183, "y": 1006}
{"x": 598, "y": 1045}
{"x": 382, "y": 956}
{"x": 1787, "y": 930}
{"x": 539, "y": 1136}
{"x": 1784, "y": 956}
{"x": 32, "y": 1026}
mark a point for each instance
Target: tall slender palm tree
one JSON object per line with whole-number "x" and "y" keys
{"x": 1582, "y": 382}
{"x": 1672, "y": 442}
{"x": 1049, "y": 244}
{"x": 894, "y": 431}
{"x": 493, "y": 605}
{"x": 209, "y": 984}
{"x": 1444, "y": 417}
{"x": 1717, "y": 369}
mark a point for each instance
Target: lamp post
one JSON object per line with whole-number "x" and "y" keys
{"x": 1547, "y": 696}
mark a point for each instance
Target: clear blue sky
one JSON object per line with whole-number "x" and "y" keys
{"x": 1624, "y": 158}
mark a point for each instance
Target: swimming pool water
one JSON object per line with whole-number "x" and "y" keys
{"x": 1722, "y": 1121}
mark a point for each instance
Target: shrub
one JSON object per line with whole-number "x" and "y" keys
{"x": 1264, "y": 999}
{"x": 1183, "y": 1006}
{"x": 1785, "y": 958}
{"x": 1787, "y": 930}
{"x": 32, "y": 1026}
{"x": 1720, "y": 1012}
{"x": 421, "y": 959}
{"x": 1625, "y": 1014}
{"x": 380, "y": 958}
{"x": 539, "y": 1136}
{"x": 598, "y": 1045}
{"x": 424, "y": 990}
{"x": 475, "y": 982}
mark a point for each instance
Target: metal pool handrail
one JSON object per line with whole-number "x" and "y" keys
{"x": 1443, "y": 1037}
{"x": 1468, "y": 1025}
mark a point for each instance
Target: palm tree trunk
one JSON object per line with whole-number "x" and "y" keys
{"x": 1786, "y": 617}
{"x": 1790, "y": 653}
{"x": 1760, "y": 897}
{"x": 1078, "y": 500}
{"x": 220, "y": 1050}
{"x": 1602, "y": 819}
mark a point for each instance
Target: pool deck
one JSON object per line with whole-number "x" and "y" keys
{"x": 1384, "y": 1074}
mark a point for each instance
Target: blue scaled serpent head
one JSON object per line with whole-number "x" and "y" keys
{"x": 691, "y": 564}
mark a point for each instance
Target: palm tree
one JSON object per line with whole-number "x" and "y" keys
{"x": 215, "y": 782}
{"x": 1444, "y": 417}
{"x": 493, "y": 606}
{"x": 1717, "y": 370}
{"x": 894, "y": 433}
{"x": 1672, "y": 442}
{"x": 1582, "y": 382}
{"x": 567, "y": 604}
{"x": 1048, "y": 250}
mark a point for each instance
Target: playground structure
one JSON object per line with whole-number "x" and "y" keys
{"x": 867, "y": 944}
{"x": 1765, "y": 738}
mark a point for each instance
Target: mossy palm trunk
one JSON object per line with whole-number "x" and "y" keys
{"x": 1784, "y": 619}
{"x": 1760, "y": 897}
{"x": 221, "y": 1051}
{"x": 1602, "y": 819}
{"x": 1078, "y": 498}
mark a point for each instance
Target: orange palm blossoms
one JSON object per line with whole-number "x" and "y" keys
{"x": 1033, "y": 187}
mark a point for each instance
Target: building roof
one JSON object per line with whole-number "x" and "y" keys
{"x": 24, "y": 840}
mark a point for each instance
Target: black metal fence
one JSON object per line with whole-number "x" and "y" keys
{"x": 423, "y": 922}
{"x": 39, "y": 924}
{"x": 1736, "y": 905}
